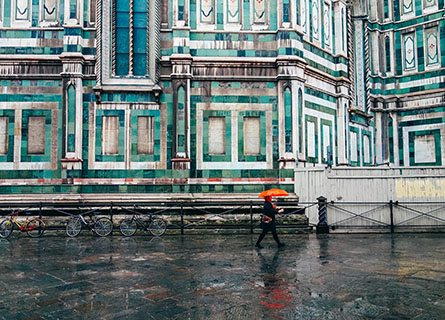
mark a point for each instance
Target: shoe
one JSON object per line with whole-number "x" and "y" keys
{"x": 280, "y": 245}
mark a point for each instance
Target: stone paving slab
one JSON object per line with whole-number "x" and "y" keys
{"x": 338, "y": 276}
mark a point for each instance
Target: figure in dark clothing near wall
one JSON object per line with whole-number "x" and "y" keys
{"x": 269, "y": 210}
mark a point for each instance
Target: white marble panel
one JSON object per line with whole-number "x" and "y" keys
{"x": 22, "y": 10}
{"x": 36, "y": 134}
{"x": 354, "y": 150}
{"x": 424, "y": 149}
{"x": 217, "y": 135}
{"x": 252, "y": 136}
{"x": 49, "y": 10}
{"x": 366, "y": 154}
{"x": 326, "y": 141}
{"x": 311, "y": 139}
{"x": 110, "y": 135}
{"x": 145, "y": 135}
{"x": 4, "y": 135}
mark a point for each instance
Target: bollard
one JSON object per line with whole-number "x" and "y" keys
{"x": 322, "y": 226}
{"x": 182, "y": 218}
{"x": 251, "y": 218}
{"x": 391, "y": 215}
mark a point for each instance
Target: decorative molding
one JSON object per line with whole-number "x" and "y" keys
{"x": 106, "y": 42}
{"x": 72, "y": 64}
{"x": 351, "y": 53}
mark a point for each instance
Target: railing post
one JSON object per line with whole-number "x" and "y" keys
{"x": 251, "y": 218}
{"x": 322, "y": 226}
{"x": 111, "y": 211}
{"x": 182, "y": 218}
{"x": 391, "y": 215}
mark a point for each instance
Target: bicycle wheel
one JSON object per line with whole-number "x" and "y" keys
{"x": 103, "y": 227}
{"x": 73, "y": 227}
{"x": 35, "y": 227}
{"x": 128, "y": 227}
{"x": 157, "y": 227}
{"x": 5, "y": 228}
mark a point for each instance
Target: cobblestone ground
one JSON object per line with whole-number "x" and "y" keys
{"x": 376, "y": 276}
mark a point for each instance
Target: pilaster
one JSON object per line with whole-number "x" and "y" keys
{"x": 395, "y": 134}
{"x": 379, "y": 134}
{"x": 72, "y": 64}
{"x": 181, "y": 75}
{"x": 290, "y": 76}
{"x": 342, "y": 122}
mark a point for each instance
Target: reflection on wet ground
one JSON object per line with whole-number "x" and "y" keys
{"x": 374, "y": 276}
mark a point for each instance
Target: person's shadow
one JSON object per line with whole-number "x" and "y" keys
{"x": 275, "y": 290}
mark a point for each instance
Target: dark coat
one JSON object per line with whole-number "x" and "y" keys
{"x": 270, "y": 211}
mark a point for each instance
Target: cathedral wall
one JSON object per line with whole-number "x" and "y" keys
{"x": 408, "y": 87}
{"x": 213, "y": 96}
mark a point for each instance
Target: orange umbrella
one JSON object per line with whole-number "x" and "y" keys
{"x": 273, "y": 193}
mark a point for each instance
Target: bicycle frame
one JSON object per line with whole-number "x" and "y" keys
{"x": 145, "y": 222}
{"x": 13, "y": 218}
{"x": 141, "y": 223}
{"x": 88, "y": 224}
{"x": 101, "y": 226}
{"x": 85, "y": 222}
{"x": 30, "y": 225}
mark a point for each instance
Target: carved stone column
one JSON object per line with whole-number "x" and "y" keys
{"x": 72, "y": 119}
{"x": 342, "y": 121}
{"x": 378, "y": 134}
{"x": 395, "y": 134}
{"x": 181, "y": 75}
{"x": 290, "y": 77}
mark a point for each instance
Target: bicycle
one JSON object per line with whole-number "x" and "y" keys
{"x": 155, "y": 225}
{"x": 102, "y": 226}
{"x": 33, "y": 227}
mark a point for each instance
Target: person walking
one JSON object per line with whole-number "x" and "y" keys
{"x": 269, "y": 210}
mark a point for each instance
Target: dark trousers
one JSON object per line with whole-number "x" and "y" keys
{"x": 265, "y": 231}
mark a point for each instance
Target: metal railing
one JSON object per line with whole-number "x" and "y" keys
{"x": 181, "y": 216}
{"x": 391, "y": 215}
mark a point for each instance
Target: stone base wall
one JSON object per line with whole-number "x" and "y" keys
{"x": 234, "y": 212}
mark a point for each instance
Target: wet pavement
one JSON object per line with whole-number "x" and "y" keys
{"x": 353, "y": 276}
